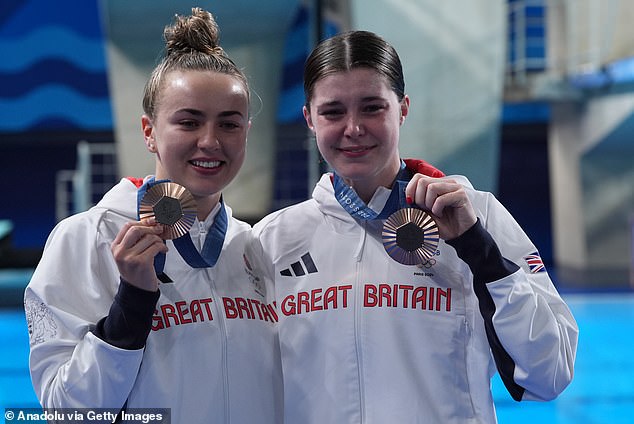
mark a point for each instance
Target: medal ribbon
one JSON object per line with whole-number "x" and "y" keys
{"x": 212, "y": 246}
{"x": 350, "y": 201}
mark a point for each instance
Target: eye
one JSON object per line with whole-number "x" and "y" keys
{"x": 331, "y": 113}
{"x": 188, "y": 123}
{"x": 230, "y": 125}
{"x": 372, "y": 108}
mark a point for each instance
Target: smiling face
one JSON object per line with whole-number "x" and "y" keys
{"x": 356, "y": 118}
{"x": 199, "y": 133}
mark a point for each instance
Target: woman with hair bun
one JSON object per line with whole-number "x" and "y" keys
{"x": 130, "y": 307}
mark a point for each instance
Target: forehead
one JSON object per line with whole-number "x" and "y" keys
{"x": 202, "y": 90}
{"x": 356, "y": 83}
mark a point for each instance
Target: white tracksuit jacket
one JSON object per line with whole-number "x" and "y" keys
{"x": 211, "y": 355}
{"x": 365, "y": 339}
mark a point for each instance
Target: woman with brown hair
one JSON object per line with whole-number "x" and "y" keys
{"x": 400, "y": 291}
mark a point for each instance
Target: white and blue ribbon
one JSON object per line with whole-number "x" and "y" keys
{"x": 352, "y": 203}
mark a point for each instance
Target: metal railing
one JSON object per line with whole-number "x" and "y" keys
{"x": 558, "y": 38}
{"x": 79, "y": 189}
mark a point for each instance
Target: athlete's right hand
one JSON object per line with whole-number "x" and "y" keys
{"x": 448, "y": 202}
{"x": 134, "y": 250}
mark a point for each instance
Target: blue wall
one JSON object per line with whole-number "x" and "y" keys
{"x": 53, "y": 68}
{"x": 53, "y": 93}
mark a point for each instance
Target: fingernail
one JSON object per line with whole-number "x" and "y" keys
{"x": 409, "y": 200}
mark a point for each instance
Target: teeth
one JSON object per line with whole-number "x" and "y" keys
{"x": 203, "y": 164}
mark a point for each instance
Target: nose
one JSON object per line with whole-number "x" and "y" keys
{"x": 354, "y": 126}
{"x": 208, "y": 139}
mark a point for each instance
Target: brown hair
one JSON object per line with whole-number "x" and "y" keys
{"x": 191, "y": 43}
{"x": 349, "y": 50}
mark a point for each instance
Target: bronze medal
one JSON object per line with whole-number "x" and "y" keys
{"x": 171, "y": 205}
{"x": 410, "y": 236}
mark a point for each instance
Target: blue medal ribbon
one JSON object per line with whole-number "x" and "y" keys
{"x": 212, "y": 246}
{"x": 352, "y": 203}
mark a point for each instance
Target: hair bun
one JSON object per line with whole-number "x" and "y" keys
{"x": 198, "y": 32}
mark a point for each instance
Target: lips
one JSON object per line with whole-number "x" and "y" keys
{"x": 355, "y": 151}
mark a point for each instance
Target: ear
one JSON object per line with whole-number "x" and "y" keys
{"x": 308, "y": 118}
{"x": 246, "y": 136}
{"x": 148, "y": 133}
{"x": 404, "y": 108}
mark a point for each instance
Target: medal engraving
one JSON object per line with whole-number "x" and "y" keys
{"x": 168, "y": 211}
{"x": 171, "y": 205}
{"x": 410, "y": 236}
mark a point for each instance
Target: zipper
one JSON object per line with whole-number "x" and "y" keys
{"x": 223, "y": 340}
{"x": 202, "y": 234}
{"x": 467, "y": 336}
{"x": 358, "y": 309}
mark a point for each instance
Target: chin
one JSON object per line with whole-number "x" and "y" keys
{"x": 205, "y": 190}
{"x": 355, "y": 171}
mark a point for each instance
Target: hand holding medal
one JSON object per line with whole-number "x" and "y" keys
{"x": 138, "y": 244}
{"x": 446, "y": 201}
{"x": 411, "y": 235}
{"x": 419, "y": 212}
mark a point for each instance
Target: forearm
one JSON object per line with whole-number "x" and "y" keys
{"x": 479, "y": 251}
{"x": 129, "y": 320}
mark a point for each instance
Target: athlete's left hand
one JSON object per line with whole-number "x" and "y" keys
{"x": 446, "y": 200}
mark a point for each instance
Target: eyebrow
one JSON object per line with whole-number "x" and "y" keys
{"x": 373, "y": 99}
{"x": 363, "y": 100}
{"x": 190, "y": 111}
{"x": 222, "y": 114}
{"x": 230, "y": 113}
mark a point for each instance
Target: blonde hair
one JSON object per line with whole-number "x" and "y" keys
{"x": 191, "y": 43}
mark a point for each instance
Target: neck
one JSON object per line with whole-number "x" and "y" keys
{"x": 364, "y": 191}
{"x": 206, "y": 204}
{"x": 366, "y": 187}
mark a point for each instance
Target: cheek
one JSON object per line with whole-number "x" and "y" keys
{"x": 326, "y": 135}
{"x": 388, "y": 132}
{"x": 172, "y": 150}
{"x": 240, "y": 155}
{"x": 324, "y": 147}
{"x": 237, "y": 149}
{"x": 165, "y": 150}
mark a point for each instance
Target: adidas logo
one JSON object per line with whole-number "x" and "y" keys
{"x": 301, "y": 267}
